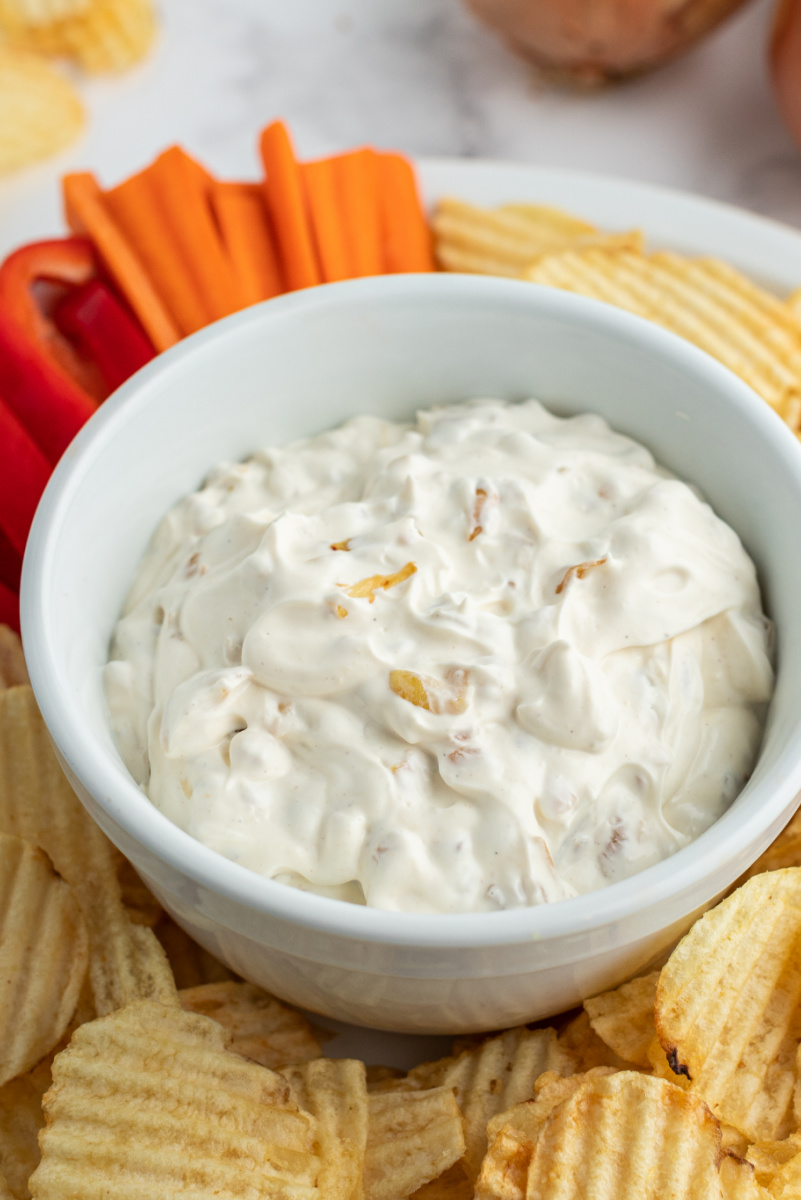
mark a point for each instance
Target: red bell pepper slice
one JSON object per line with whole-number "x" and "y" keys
{"x": 96, "y": 320}
{"x": 24, "y": 471}
{"x": 52, "y": 388}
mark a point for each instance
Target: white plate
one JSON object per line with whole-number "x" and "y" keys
{"x": 767, "y": 251}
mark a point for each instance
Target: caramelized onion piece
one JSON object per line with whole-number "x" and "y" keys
{"x": 591, "y": 41}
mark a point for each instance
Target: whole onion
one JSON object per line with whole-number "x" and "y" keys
{"x": 595, "y": 40}
{"x": 785, "y": 62}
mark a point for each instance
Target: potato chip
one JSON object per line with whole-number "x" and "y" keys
{"x": 21, "y": 1118}
{"x": 785, "y": 851}
{"x": 5, "y": 1191}
{"x": 42, "y": 113}
{"x": 334, "y": 1091}
{"x": 794, "y": 302}
{"x": 452, "y": 1184}
{"x": 141, "y": 905}
{"x": 777, "y": 1167}
{"x": 627, "y": 1136}
{"x": 19, "y": 14}
{"x": 738, "y": 1180}
{"x": 727, "y": 1005}
{"x": 12, "y": 661}
{"x": 44, "y": 953}
{"x": 149, "y": 1102}
{"x": 703, "y": 300}
{"x": 580, "y": 1039}
{"x": 412, "y": 1138}
{"x": 495, "y": 1075}
{"x": 624, "y": 1018}
{"x": 191, "y": 963}
{"x": 261, "y": 1027}
{"x": 507, "y": 240}
{"x": 378, "y": 1076}
{"x": 37, "y": 803}
{"x": 512, "y": 1136}
{"x": 110, "y": 35}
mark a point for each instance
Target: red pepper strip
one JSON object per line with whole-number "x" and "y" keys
{"x": 9, "y": 608}
{"x": 29, "y": 278}
{"x": 24, "y": 471}
{"x": 93, "y": 316}
{"x": 10, "y": 564}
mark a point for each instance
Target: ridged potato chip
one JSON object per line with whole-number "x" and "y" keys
{"x": 109, "y": 35}
{"x": 44, "y": 954}
{"x": 334, "y": 1091}
{"x": 42, "y": 112}
{"x": 492, "y": 1077}
{"x": 580, "y": 1040}
{"x": 703, "y": 300}
{"x": 141, "y": 905}
{"x": 627, "y": 1136}
{"x": 21, "y": 1118}
{"x": 624, "y": 1018}
{"x": 190, "y": 963}
{"x": 507, "y": 240}
{"x": 738, "y": 1180}
{"x": 149, "y": 1102}
{"x": 261, "y": 1027}
{"x": 512, "y": 1136}
{"x": 452, "y": 1184}
{"x": 728, "y": 1005}
{"x": 12, "y": 661}
{"x": 777, "y": 1167}
{"x": 37, "y": 803}
{"x": 794, "y": 302}
{"x": 20, "y": 14}
{"x": 412, "y": 1138}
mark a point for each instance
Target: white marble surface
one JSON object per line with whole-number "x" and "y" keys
{"x": 423, "y": 76}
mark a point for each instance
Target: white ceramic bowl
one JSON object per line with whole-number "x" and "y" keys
{"x": 306, "y": 362}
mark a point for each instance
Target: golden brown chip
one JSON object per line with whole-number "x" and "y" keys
{"x": 500, "y": 1072}
{"x": 37, "y": 803}
{"x": 512, "y": 1136}
{"x": 19, "y": 14}
{"x": 580, "y": 1039}
{"x": 624, "y": 1018}
{"x": 44, "y": 953}
{"x": 738, "y": 1180}
{"x": 191, "y": 963}
{"x": 261, "y": 1027}
{"x": 777, "y": 1166}
{"x": 149, "y": 1102}
{"x": 507, "y": 240}
{"x": 728, "y": 1005}
{"x": 412, "y": 1138}
{"x": 42, "y": 113}
{"x": 703, "y": 300}
{"x": 334, "y": 1091}
{"x": 141, "y": 905}
{"x": 627, "y": 1136}
{"x": 21, "y": 1118}
{"x": 110, "y": 35}
{"x": 794, "y": 302}
{"x": 452, "y": 1184}
{"x": 785, "y": 851}
{"x": 377, "y": 1076}
{"x": 12, "y": 661}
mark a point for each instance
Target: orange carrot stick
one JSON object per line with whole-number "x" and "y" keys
{"x": 135, "y": 207}
{"x": 357, "y": 191}
{"x": 287, "y": 204}
{"x": 405, "y": 232}
{"x": 87, "y": 214}
{"x": 181, "y": 186}
{"x": 320, "y": 182}
{"x": 246, "y": 234}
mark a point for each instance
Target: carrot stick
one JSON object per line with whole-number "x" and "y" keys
{"x": 405, "y": 232}
{"x": 181, "y": 186}
{"x": 320, "y": 182}
{"x": 87, "y": 214}
{"x": 135, "y": 207}
{"x": 357, "y": 191}
{"x": 247, "y": 236}
{"x": 287, "y": 205}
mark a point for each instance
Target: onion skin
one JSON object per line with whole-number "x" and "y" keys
{"x": 593, "y": 41}
{"x": 785, "y": 63}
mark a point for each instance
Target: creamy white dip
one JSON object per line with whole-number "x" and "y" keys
{"x": 492, "y": 659}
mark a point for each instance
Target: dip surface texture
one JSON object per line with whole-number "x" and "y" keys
{"x": 493, "y": 659}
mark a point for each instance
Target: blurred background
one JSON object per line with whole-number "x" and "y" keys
{"x": 426, "y": 77}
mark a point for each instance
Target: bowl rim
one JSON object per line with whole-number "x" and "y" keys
{"x": 130, "y": 809}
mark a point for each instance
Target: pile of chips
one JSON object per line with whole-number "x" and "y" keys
{"x": 42, "y": 112}
{"x": 704, "y": 300}
{"x": 133, "y": 1063}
